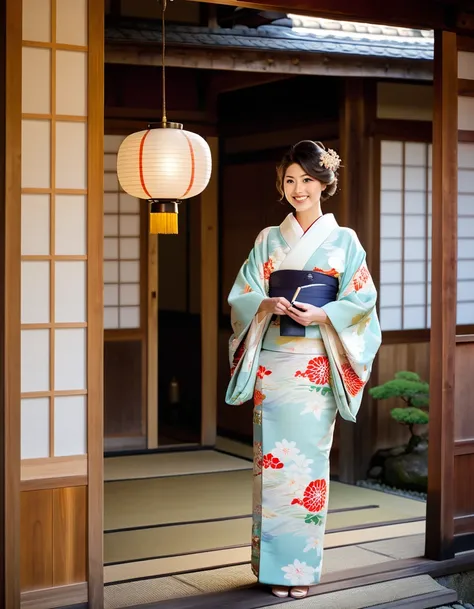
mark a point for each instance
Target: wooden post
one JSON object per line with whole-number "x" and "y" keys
{"x": 439, "y": 520}
{"x": 356, "y": 210}
{"x": 209, "y": 288}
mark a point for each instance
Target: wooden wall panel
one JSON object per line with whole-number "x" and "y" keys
{"x": 391, "y": 359}
{"x": 53, "y": 530}
{"x": 464, "y": 393}
{"x": 69, "y": 533}
{"x": 36, "y": 540}
{"x": 464, "y": 491}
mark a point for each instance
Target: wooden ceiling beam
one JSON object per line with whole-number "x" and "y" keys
{"x": 224, "y": 82}
{"x": 291, "y": 64}
{"x": 409, "y": 13}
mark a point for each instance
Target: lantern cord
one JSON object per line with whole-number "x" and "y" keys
{"x": 163, "y": 33}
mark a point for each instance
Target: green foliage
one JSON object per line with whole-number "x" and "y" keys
{"x": 413, "y": 391}
{"x": 410, "y": 416}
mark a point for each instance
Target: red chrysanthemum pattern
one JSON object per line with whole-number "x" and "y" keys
{"x": 247, "y": 289}
{"x": 262, "y": 371}
{"x": 268, "y": 268}
{"x": 361, "y": 277}
{"x": 331, "y": 272}
{"x": 258, "y": 397}
{"x": 314, "y": 497}
{"x": 318, "y": 371}
{"x": 353, "y": 383}
{"x": 271, "y": 462}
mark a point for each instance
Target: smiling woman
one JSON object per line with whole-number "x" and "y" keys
{"x": 303, "y": 361}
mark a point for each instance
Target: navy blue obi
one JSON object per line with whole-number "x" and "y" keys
{"x": 315, "y": 288}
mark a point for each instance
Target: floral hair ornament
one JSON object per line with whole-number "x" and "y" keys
{"x": 330, "y": 159}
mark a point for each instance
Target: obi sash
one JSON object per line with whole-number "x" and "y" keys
{"x": 316, "y": 289}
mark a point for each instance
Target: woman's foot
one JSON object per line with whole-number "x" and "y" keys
{"x": 280, "y": 591}
{"x": 299, "y": 592}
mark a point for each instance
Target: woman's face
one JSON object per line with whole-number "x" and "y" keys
{"x": 301, "y": 190}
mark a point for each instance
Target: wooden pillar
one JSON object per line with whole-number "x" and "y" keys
{"x": 439, "y": 522}
{"x": 209, "y": 311}
{"x": 356, "y": 210}
{"x": 10, "y": 170}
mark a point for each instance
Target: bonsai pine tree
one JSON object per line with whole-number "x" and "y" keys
{"x": 415, "y": 393}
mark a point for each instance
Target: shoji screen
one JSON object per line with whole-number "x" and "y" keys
{"x": 465, "y": 296}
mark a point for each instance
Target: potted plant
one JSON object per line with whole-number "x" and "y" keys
{"x": 406, "y": 466}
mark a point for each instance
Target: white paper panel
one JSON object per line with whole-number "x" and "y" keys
{"x": 35, "y": 225}
{"x": 466, "y": 181}
{"x": 71, "y": 22}
{"x": 415, "y": 226}
{"x": 35, "y": 428}
{"x": 111, "y": 318}
{"x": 129, "y": 248}
{"x": 392, "y": 178}
{"x": 129, "y": 204}
{"x": 110, "y": 162}
{"x": 129, "y": 272}
{"x": 71, "y": 222}
{"x": 71, "y": 155}
{"x": 466, "y": 65}
{"x": 414, "y": 318}
{"x": 70, "y": 426}
{"x": 465, "y": 313}
{"x": 466, "y": 227}
{"x": 391, "y": 318}
{"x": 35, "y": 154}
{"x": 390, "y": 272}
{"x": 391, "y": 250}
{"x": 111, "y": 272}
{"x": 111, "y": 248}
{"x": 390, "y": 226}
{"x": 392, "y": 153}
{"x": 37, "y": 20}
{"x": 70, "y": 359}
{"x": 466, "y": 205}
{"x": 465, "y": 155}
{"x": 36, "y": 81}
{"x": 415, "y": 272}
{"x": 466, "y": 249}
{"x": 465, "y": 269}
{"x": 71, "y": 83}
{"x": 111, "y": 183}
{"x": 465, "y": 291}
{"x": 111, "y": 226}
{"x": 34, "y": 360}
{"x": 129, "y": 225}
{"x": 129, "y": 317}
{"x": 415, "y": 179}
{"x": 466, "y": 113}
{"x": 415, "y": 249}
{"x": 415, "y": 294}
{"x": 112, "y": 142}
{"x": 35, "y": 292}
{"x": 415, "y": 154}
{"x": 391, "y": 202}
{"x": 391, "y": 295}
{"x": 111, "y": 295}
{"x": 415, "y": 203}
{"x": 70, "y": 292}
{"x": 129, "y": 294}
{"x": 111, "y": 203}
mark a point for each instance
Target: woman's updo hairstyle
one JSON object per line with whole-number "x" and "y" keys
{"x": 316, "y": 161}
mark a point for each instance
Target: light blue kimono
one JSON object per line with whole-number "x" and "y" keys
{"x": 298, "y": 385}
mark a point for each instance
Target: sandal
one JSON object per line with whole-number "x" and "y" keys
{"x": 299, "y": 592}
{"x": 280, "y": 591}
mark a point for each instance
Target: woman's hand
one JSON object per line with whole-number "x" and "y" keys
{"x": 307, "y": 314}
{"x": 275, "y": 306}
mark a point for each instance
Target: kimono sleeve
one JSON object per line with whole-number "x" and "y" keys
{"x": 354, "y": 325}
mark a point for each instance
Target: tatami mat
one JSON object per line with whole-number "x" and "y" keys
{"x": 157, "y": 501}
{"x": 171, "y": 464}
{"x": 399, "y": 548}
{"x": 146, "y": 591}
{"x": 234, "y": 448}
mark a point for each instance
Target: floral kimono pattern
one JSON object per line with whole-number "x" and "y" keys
{"x": 298, "y": 385}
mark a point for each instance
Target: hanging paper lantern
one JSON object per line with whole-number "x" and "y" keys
{"x": 164, "y": 165}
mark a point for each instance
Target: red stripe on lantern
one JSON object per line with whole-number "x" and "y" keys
{"x": 140, "y": 164}
{"x": 193, "y": 165}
